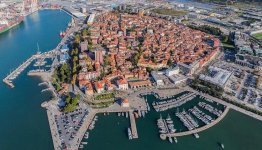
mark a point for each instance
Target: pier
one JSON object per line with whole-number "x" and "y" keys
{"x": 81, "y": 133}
{"x": 133, "y": 124}
{"x": 9, "y": 78}
{"x": 168, "y": 104}
{"x": 54, "y": 130}
{"x": 164, "y": 136}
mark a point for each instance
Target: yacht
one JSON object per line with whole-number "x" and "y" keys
{"x": 170, "y": 139}
{"x": 129, "y": 134}
{"x": 175, "y": 139}
{"x": 222, "y": 145}
{"x": 196, "y": 135}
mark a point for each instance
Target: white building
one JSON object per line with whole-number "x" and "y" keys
{"x": 125, "y": 103}
{"x": 172, "y": 71}
{"x": 158, "y": 77}
{"x": 122, "y": 84}
{"x": 216, "y": 76}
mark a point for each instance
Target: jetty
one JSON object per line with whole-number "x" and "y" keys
{"x": 197, "y": 130}
{"x": 133, "y": 124}
{"x": 81, "y": 132}
{"x": 54, "y": 130}
{"x": 13, "y": 75}
{"x": 168, "y": 104}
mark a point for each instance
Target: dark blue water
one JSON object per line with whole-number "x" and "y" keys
{"x": 24, "y": 124}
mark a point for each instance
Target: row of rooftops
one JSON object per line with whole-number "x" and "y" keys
{"x": 124, "y": 35}
{"x": 120, "y": 33}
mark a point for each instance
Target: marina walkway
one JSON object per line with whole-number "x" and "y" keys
{"x": 81, "y": 132}
{"x": 133, "y": 124}
{"x": 164, "y": 136}
{"x": 8, "y": 79}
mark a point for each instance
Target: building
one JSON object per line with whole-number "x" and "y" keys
{"x": 172, "y": 71}
{"x": 99, "y": 56}
{"x": 188, "y": 69}
{"x": 63, "y": 57}
{"x": 83, "y": 46}
{"x": 178, "y": 79}
{"x": 99, "y": 86}
{"x": 83, "y": 10}
{"x": 139, "y": 84}
{"x": 64, "y": 49}
{"x": 216, "y": 76}
{"x": 158, "y": 77}
{"x": 91, "y": 19}
{"x": 122, "y": 84}
{"x": 125, "y": 103}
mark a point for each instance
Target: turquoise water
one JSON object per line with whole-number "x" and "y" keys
{"x": 24, "y": 124}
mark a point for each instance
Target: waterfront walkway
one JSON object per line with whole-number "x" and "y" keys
{"x": 163, "y": 136}
{"x": 81, "y": 132}
{"x": 54, "y": 130}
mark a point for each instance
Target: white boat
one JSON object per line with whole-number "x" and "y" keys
{"x": 175, "y": 139}
{"x": 170, "y": 139}
{"x": 162, "y": 131}
{"x": 196, "y": 135}
{"x": 143, "y": 114}
{"x": 87, "y": 135}
{"x": 222, "y": 145}
{"x": 129, "y": 134}
{"x": 168, "y": 117}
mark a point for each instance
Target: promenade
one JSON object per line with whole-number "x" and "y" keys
{"x": 54, "y": 131}
{"x": 81, "y": 132}
{"x": 197, "y": 130}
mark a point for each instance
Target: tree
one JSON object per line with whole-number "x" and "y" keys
{"x": 75, "y": 59}
{"x": 84, "y": 33}
{"x": 169, "y": 62}
{"x": 106, "y": 60}
{"x": 77, "y": 39}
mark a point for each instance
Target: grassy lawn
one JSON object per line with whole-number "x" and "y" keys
{"x": 105, "y": 96}
{"x": 228, "y": 46}
{"x": 258, "y": 36}
{"x": 171, "y": 12}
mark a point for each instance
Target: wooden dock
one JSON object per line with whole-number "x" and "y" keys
{"x": 133, "y": 124}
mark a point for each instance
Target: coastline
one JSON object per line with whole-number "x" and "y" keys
{"x": 11, "y": 27}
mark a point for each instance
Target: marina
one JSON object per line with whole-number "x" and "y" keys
{"x": 168, "y": 104}
{"x": 197, "y": 130}
{"x": 13, "y": 75}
